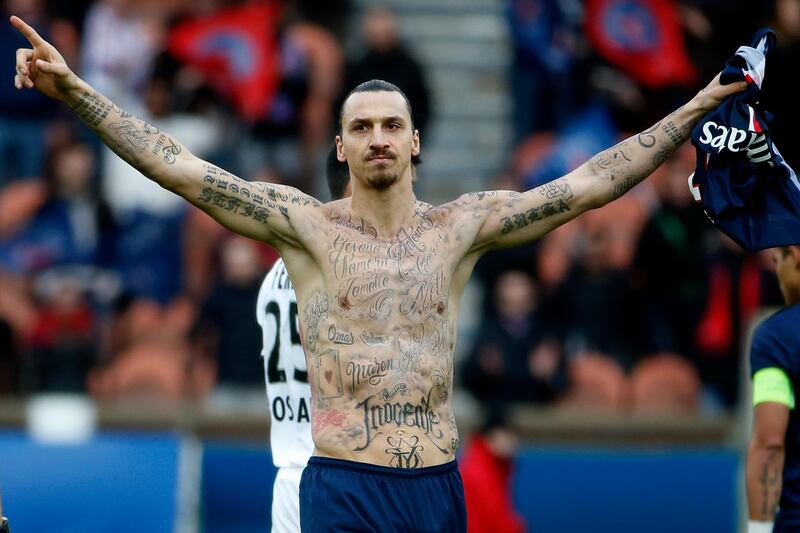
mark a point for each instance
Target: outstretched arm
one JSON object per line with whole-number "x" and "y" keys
{"x": 254, "y": 209}
{"x": 516, "y": 218}
{"x": 765, "y": 459}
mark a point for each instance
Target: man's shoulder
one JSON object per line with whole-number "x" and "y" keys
{"x": 783, "y": 322}
{"x": 776, "y": 341}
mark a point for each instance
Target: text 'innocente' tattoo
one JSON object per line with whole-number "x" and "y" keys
{"x": 380, "y": 415}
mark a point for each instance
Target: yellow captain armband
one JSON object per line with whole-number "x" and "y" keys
{"x": 772, "y": 385}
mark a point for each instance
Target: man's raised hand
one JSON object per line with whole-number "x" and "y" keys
{"x": 714, "y": 93}
{"x": 41, "y": 67}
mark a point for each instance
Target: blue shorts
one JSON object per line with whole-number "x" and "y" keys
{"x": 338, "y": 496}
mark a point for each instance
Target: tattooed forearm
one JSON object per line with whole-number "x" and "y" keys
{"x": 770, "y": 485}
{"x": 673, "y": 133}
{"x": 622, "y": 167}
{"x": 646, "y": 138}
{"x": 764, "y": 480}
{"x": 139, "y": 143}
{"x": 134, "y": 138}
{"x": 625, "y": 185}
{"x": 171, "y": 150}
{"x": 92, "y": 109}
{"x": 240, "y": 206}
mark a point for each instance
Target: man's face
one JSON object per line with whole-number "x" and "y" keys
{"x": 377, "y": 139}
{"x": 787, "y": 267}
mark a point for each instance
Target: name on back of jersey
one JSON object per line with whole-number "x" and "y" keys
{"x": 281, "y": 281}
{"x": 286, "y": 408}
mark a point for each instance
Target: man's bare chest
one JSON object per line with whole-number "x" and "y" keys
{"x": 369, "y": 278}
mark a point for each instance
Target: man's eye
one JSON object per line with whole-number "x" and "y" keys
{"x": 393, "y": 126}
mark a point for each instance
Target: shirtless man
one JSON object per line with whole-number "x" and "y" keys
{"x": 378, "y": 277}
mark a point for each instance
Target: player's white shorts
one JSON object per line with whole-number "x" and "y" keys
{"x": 286, "y": 500}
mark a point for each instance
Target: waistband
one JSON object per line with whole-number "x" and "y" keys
{"x": 367, "y": 468}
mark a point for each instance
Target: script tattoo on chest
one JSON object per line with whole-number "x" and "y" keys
{"x": 375, "y": 278}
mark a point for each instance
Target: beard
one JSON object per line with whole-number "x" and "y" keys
{"x": 382, "y": 178}
{"x": 383, "y": 175}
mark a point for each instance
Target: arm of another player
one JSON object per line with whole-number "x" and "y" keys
{"x": 773, "y": 399}
{"x": 515, "y": 218}
{"x": 258, "y": 210}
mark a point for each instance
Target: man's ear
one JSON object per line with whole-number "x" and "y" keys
{"x": 340, "y": 149}
{"x": 794, "y": 252}
{"x": 415, "y": 146}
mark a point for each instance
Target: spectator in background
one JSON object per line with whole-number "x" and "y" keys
{"x": 671, "y": 261}
{"x": 486, "y": 466}
{"x": 641, "y": 56}
{"x": 151, "y": 218}
{"x": 72, "y": 228}
{"x": 514, "y": 359}
{"x": 119, "y": 45}
{"x": 386, "y": 58}
{"x": 738, "y": 285}
{"x": 545, "y": 65}
{"x": 595, "y": 308}
{"x": 330, "y": 14}
{"x": 491, "y": 266}
{"x": 227, "y": 327}
{"x": 778, "y": 84}
{"x": 148, "y": 354}
{"x": 290, "y": 135}
{"x": 9, "y": 359}
{"x": 62, "y": 342}
{"x": 23, "y": 117}
{"x": 24, "y": 120}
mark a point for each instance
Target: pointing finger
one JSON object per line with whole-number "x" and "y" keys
{"x": 34, "y": 38}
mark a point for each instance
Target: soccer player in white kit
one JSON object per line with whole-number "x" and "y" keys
{"x": 286, "y": 377}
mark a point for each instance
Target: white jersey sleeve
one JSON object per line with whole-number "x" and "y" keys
{"x": 285, "y": 370}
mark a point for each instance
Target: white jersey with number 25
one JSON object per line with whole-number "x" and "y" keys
{"x": 285, "y": 370}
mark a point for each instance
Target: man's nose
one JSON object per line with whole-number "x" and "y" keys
{"x": 379, "y": 140}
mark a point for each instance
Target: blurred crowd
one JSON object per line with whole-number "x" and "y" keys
{"x": 641, "y": 305}
{"x": 114, "y": 287}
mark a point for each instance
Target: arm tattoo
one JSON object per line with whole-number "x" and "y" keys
{"x": 170, "y": 151}
{"x": 646, "y": 138}
{"x": 230, "y": 203}
{"x": 139, "y": 143}
{"x": 674, "y": 134}
{"x": 91, "y": 109}
{"x": 135, "y": 139}
{"x": 558, "y": 194}
{"x": 771, "y": 484}
{"x": 622, "y": 167}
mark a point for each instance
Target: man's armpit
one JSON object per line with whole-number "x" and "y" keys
{"x": 773, "y": 385}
